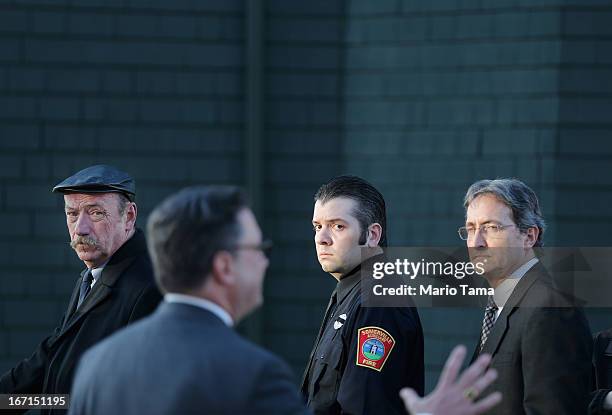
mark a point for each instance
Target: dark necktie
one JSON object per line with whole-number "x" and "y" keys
{"x": 85, "y": 287}
{"x": 488, "y": 321}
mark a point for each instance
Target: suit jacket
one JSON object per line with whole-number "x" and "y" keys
{"x": 541, "y": 347}
{"x": 182, "y": 360}
{"x": 124, "y": 293}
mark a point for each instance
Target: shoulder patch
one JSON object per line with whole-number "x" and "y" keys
{"x": 374, "y": 345}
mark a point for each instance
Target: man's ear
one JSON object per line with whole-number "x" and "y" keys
{"x": 374, "y": 235}
{"x": 131, "y": 213}
{"x": 532, "y": 236}
{"x": 222, "y": 269}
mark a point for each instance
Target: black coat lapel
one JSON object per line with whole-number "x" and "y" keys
{"x": 103, "y": 288}
{"x": 100, "y": 291}
{"x": 74, "y": 299}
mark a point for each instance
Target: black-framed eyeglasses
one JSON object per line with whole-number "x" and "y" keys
{"x": 490, "y": 230}
{"x": 265, "y": 246}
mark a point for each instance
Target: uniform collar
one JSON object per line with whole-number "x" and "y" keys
{"x": 347, "y": 283}
{"x": 350, "y": 280}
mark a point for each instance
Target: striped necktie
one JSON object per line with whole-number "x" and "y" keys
{"x": 488, "y": 321}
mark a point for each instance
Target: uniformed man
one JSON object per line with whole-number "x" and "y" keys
{"x": 363, "y": 355}
{"x": 116, "y": 288}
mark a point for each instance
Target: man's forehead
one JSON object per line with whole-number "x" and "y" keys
{"x": 336, "y": 208}
{"x": 487, "y": 207}
{"x": 248, "y": 223}
{"x": 78, "y": 199}
{"x": 246, "y": 217}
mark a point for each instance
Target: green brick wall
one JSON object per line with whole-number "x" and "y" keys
{"x": 420, "y": 98}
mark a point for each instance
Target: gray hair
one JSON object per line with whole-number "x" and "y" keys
{"x": 517, "y": 196}
{"x": 123, "y": 203}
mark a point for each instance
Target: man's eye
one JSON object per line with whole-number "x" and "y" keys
{"x": 97, "y": 214}
{"x": 338, "y": 226}
{"x": 316, "y": 227}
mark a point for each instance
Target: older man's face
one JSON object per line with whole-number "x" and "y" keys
{"x": 97, "y": 228}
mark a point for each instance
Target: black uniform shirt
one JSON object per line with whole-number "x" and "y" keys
{"x": 363, "y": 355}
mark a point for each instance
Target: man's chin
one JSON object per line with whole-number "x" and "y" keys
{"x": 330, "y": 268}
{"x": 492, "y": 276}
{"x": 88, "y": 255}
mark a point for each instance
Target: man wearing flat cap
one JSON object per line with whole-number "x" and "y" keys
{"x": 115, "y": 289}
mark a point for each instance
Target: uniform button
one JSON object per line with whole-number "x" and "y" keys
{"x": 321, "y": 357}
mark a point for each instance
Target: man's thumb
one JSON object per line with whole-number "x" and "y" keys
{"x": 409, "y": 396}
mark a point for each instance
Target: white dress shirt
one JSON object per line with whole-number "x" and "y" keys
{"x": 505, "y": 289}
{"x": 96, "y": 273}
{"x": 202, "y": 303}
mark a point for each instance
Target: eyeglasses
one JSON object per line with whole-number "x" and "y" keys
{"x": 265, "y": 246}
{"x": 489, "y": 230}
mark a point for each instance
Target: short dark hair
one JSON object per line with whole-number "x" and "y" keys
{"x": 186, "y": 231}
{"x": 370, "y": 202}
{"x": 519, "y": 197}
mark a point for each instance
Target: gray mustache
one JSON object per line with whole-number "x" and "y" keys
{"x": 84, "y": 240}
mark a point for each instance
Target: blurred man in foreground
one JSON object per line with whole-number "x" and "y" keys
{"x": 209, "y": 260}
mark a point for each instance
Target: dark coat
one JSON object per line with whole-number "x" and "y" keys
{"x": 124, "y": 293}
{"x": 602, "y": 365}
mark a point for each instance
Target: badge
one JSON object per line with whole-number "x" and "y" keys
{"x": 339, "y": 321}
{"x": 374, "y": 346}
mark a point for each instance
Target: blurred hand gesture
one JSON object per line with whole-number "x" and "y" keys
{"x": 456, "y": 397}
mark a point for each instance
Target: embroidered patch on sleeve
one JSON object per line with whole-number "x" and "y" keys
{"x": 374, "y": 346}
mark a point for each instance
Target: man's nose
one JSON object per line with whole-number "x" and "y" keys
{"x": 82, "y": 225}
{"x": 478, "y": 240}
{"x": 322, "y": 237}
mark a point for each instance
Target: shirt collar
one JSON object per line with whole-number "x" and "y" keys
{"x": 505, "y": 289}
{"x": 202, "y": 303}
{"x": 347, "y": 283}
{"x": 350, "y": 280}
{"x": 97, "y": 272}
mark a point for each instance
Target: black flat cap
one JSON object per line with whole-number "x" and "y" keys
{"x": 100, "y": 178}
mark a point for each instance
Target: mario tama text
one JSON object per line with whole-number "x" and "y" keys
{"x": 431, "y": 290}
